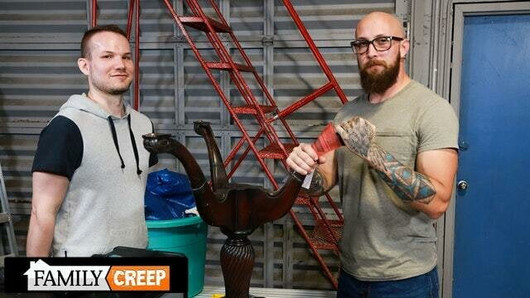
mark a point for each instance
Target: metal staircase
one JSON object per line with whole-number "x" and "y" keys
{"x": 268, "y": 116}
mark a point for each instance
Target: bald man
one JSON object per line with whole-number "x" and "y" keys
{"x": 395, "y": 174}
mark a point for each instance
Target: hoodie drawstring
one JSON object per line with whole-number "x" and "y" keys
{"x": 133, "y": 141}
{"x": 135, "y": 150}
{"x": 115, "y": 138}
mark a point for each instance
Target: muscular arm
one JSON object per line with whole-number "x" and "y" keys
{"x": 408, "y": 184}
{"x": 432, "y": 183}
{"x": 48, "y": 194}
{"x": 440, "y": 166}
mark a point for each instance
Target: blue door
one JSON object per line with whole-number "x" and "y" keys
{"x": 492, "y": 219}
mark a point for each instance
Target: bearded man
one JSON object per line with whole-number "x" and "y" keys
{"x": 395, "y": 174}
{"x": 90, "y": 168}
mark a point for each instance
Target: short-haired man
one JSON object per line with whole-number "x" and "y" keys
{"x": 90, "y": 167}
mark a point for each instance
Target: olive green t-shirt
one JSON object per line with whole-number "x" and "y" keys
{"x": 383, "y": 239}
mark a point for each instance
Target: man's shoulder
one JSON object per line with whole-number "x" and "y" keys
{"x": 60, "y": 130}
{"x": 138, "y": 113}
{"x": 418, "y": 90}
{"x": 357, "y": 100}
{"x": 350, "y": 107}
{"x": 139, "y": 116}
{"x": 61, "y": 124}
{"x": 68, "y": 112}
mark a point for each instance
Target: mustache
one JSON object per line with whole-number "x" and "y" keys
{"x": 375, "y": 63}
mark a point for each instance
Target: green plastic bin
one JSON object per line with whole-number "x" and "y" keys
{"x": 183, "y": 235}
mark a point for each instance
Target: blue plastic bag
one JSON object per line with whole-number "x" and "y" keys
{"x": 167, "y": 195}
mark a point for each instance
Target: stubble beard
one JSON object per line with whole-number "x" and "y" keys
{"x": 119, "y": 91}
{"x": 378, "y": 83}
{"x": 112, "y": 90}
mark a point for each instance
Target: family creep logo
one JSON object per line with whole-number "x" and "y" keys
{"x": 147, "y": 271}
{"x": 43, "y": 277}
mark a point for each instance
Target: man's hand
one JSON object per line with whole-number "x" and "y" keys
{"x": 303, "y": 159}
{"x": 357, "y": 134}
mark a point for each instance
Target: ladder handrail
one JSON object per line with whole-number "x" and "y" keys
{"x": 216, "y": 85}
{"x": 237, "y": 77}
{"x": 314, "y": 49}
{"x": 265, "y": 123}
{"x": 267, "y": 129}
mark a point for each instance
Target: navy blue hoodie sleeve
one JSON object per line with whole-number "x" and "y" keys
{"x": 60, "y": 148}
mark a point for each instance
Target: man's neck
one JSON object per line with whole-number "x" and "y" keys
{"x": 113, "y": 104}
{"x": 401, "y": 82}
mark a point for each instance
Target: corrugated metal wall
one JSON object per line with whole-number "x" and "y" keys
{"x": 39, "y": 43}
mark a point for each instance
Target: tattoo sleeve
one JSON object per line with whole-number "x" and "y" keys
{"x": 408, "y": 184}
{"x": 358, "y": 134}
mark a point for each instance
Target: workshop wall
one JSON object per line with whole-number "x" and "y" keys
{"x": 39, "y": 45}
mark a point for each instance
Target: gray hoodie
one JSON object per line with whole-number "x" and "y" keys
{"x": 106, "y": 163}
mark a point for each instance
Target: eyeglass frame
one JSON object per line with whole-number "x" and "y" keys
{"x": 371, "y": 42}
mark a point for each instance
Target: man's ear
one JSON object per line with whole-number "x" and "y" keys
{"x": 404, "y": 48}
{"x": 82, "y": 63}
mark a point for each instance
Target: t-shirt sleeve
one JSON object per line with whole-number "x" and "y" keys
{"x": 60, "y": 148}
{"x": 438, "y": 127}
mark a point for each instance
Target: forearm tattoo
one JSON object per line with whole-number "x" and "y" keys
{"x": 408, "y": 184}
{"x": 358, "y": 134}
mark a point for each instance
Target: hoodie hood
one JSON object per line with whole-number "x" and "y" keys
{"x": 85, "y": 104}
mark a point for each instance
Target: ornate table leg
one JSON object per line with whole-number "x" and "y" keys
{"x": 237, "y": 263}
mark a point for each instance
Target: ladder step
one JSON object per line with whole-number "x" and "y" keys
{"x": 226, "y": 66}
{"x": 199, "y": 24}
{"x": 273, "y": 151}
{"x": 251, "y": 110}
{"x": 322, "y": 238}
{"x": 302, "y": 201}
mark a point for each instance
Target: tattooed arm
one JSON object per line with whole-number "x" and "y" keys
{"x": 303, "y": 159}
{"x": 440, "y": 165}
{"x": 408, "y": 184}
{"x": 433, "y": 181}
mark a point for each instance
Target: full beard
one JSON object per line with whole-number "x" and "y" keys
{"x": 378, "y": 83}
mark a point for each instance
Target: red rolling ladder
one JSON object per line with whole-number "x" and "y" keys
{"x": 326, "y": 232}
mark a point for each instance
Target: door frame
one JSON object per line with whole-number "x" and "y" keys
{"x": 448, "y": 83}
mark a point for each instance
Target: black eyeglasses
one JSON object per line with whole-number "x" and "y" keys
{"x": 382, "y": 43}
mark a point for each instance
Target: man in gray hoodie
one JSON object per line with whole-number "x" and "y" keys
{"x": 90, "y": 167}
